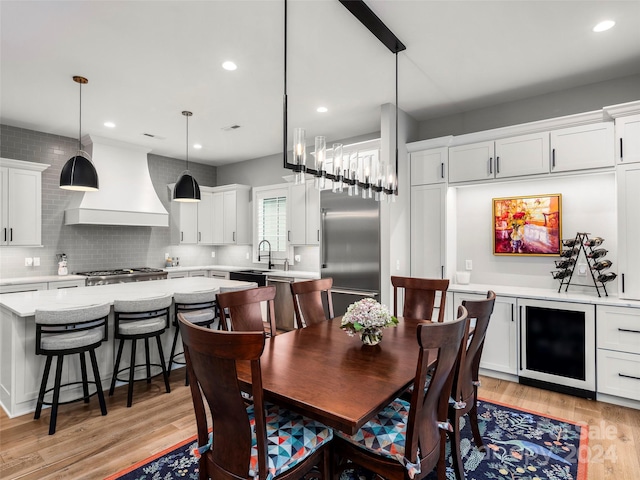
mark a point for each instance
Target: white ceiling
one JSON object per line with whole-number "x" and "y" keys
{"x": 146, "y": 61}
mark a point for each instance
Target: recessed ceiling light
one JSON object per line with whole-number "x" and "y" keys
{"x": 604, "y": 25}
{"x": 109, "y": 124}
{"x": 229, "y": 66}
{"x": 197, "y": 146}
{"x": 322, "y": 109}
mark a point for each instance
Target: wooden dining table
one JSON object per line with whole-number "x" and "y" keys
{"x": 328, "y": 376}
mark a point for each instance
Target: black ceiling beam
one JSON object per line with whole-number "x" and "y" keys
{"x": 362, "y": 12}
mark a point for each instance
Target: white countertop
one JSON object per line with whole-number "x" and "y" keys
{"x": 231, "y": 268}
{"x": 24, "y": 304}
{"x": 40, "y": 279}
{"x": 545, "y": 294}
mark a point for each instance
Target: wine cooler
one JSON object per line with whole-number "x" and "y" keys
{"x": 557, "y": 346}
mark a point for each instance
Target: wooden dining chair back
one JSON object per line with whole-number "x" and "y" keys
{"x": 312, "y": 301}
{"x": 408, "y": 439}
{"x": 420, "y": 297}
{"x": 227, "y": 453}
{"x": 466, "y": 380}
{"x": 242, "y": 309}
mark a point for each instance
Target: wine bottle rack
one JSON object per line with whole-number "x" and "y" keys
{"x": 594, "y": 256}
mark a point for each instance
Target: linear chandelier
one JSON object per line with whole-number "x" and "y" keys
{"x": 373, "y": 179}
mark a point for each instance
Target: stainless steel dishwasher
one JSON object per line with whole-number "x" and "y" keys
{"x": 284, "y": 302}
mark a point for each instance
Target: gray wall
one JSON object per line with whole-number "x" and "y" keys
{"x": 557, "y": 104}
{"x": 92, "y": 247}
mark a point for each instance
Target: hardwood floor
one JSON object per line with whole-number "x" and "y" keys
{"x": 90, "y": 446}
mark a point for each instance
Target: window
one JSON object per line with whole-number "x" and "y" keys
{"x": 270, "y": 221}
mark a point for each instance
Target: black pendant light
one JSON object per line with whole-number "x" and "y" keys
{"x": 186, "y": 189}
{"x": 79, "y": 173}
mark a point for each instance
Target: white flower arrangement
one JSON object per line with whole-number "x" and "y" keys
{"x": 366, "y": 314}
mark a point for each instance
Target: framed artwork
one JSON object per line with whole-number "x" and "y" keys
{"x": 529, "y": 225}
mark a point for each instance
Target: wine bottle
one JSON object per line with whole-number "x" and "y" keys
{"x": 597, "y": 253}
{"x": 570, "y": 253}
{"x": 602, "y": 264}
{"x": 562, "y": 274}
{"x": 569, "y": 242}
{"x": 565, "y": 263}
{"x": 606, "y": 277}
{"x": 594, "y": 242}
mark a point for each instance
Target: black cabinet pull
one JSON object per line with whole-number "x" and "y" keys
{"x": 181, "y": 236}
{"x": 442, "y": 170}
{"x": 627, "y": 330}
{"x": 553, "y": 158}
{"x": 512, "y": 305}
{"x": 497, "y": 164}
{"x": 318, "y": 234}
{"x": 11, "y": 234}
{"x": 623, "y": 283}
{"x": 491, "y": 165}
{"x": 234, "y": 236}
{"x": 199, "y": 236}
{"x": 5, "y": 234}
{"x": 288, "y": 235}
{"x": 442, "y": 271}
{"x": 621, "y": 154}
{"x": 629, "y": 376}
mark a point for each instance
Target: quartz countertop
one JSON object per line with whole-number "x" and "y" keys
{"x": 231, "y": 268}
{"x": 40, "y": 279}
{"x": 26, "y": 303}
{"x": 545, "y": 294}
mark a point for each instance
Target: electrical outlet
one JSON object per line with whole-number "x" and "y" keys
{"x": 213, "y": 254}
{"x": 468, "y": 265}
{"x": 36, "y": 261}
{"x": 28, "y": 261}
{"x": 247, "y": 255}
{"x": 582, "y": 269}
{"x": 297, "y": 258}
{"x": 166, "y": 255}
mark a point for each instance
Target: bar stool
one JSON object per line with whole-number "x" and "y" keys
{"x": 198, "y": 308}
{"x": 65, "y": 332}
{"x": 136, "y": 320}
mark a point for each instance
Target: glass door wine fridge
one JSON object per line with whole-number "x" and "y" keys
{"x": 557, "y": 346}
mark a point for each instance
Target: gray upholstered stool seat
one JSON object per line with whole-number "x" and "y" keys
{"x": 140, "y": 320}
{"x": 197, "y": 307}
{"x": 66, "y": 332}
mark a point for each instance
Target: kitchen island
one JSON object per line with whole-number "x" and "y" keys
{"x": 21, "y": 369}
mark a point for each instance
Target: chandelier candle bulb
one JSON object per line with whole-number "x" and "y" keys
{"x": 299, "y": 153}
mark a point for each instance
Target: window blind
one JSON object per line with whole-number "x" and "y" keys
{"x": 272, "y": 223}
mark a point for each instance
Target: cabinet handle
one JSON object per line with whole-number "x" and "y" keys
{"x": 623, "y": 283}
{"x": 442, "y": 271}
{"x": 520, "y": 319}
{"x": 512, "y": 305}
{"x": 442, "y": 170}
{"x": 628, "y": 330}
{"x": 318, "y": 231}
{"x": 621, "y": 154}
{"x": 5, "y": 234}
{"x": 11, "y": 234}
{"x": 234, "y": 236}
{"x": 497, "y": 164}
{"x": 553, "y": 158}
{"x": 288, "y": 235}
{"x": 199, "y": 236}
{"x": 628, "y": 376}
{"x": 491, "y": 165}
{"x": 181, "y": 236}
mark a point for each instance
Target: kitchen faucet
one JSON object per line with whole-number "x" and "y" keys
{"x": 269, "y": 244}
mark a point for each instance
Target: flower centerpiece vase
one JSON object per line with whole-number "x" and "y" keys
{"x": 367, "y": 318}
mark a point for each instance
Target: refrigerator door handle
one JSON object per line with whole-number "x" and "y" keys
{"x": 323, "y": 252}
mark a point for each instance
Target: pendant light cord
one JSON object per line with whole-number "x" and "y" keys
{"x": 284, "y": 98}
{"x": 80, "y": 121}
{"x": 397, "y": 182}
{"x": 187, "y": 142}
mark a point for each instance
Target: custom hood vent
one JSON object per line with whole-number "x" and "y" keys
{"x": 126, "y": 195}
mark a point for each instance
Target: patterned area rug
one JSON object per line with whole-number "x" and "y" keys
{"x": 520, "y": 445}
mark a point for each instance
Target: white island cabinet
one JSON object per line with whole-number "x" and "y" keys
{"x": 21, "y": 369}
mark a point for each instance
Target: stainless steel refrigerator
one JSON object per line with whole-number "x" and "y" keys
{"x": 350, "y": 249}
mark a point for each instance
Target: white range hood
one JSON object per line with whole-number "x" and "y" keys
{"x": 126, "y": 195}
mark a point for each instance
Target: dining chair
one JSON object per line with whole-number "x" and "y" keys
{"x": 407, "y": 439}
{"x": 259, "y": 440}
{"x": 466, "y": 380}
{"x": 241, "y": 310}
{"x": 308, "y": 301}
{"x": 419, "y": 297}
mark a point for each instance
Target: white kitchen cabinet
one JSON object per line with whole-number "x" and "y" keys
{"x": 231, "y": 215}
{"x": 184, "y": 223}
{"x": 618, "y": 353}
{"x": 303, "y": 215}
{"x": 500, "y": 351}
{"x": 172, "y": 275}
{"x": 428, "y": 247}
{"x": 198, "y": 273}
{"x": 582, "y": 147}
{"x": 218, "y": 274}
{"x": 205, "y": 218}
{"x": 628, "y": 139}
{"x": 66, "y": 284}
{"x": 628, "y": 183}
{"x": 429, "y": 166}
{"x": 508, "y": 157}
{"x": 21, "y": 202}
{"x": 23, "y": 287}
{"x": 312, "y": 218}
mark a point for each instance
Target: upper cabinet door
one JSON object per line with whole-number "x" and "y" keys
{"x": 583, "y": 147}
{"x": 522, "y": 155}
{"x": 429, "y": 166}
{"x": 471, "y": 162}
{"x": 218, "y": 218}
{"x": 205, "y": 218}
{"x": 24, "y": 202}
{"x": 296, "y": 214}
{"x": 313, "y": 215}
{"x": 230, "y": 215}
{"x": 628, "y": 139}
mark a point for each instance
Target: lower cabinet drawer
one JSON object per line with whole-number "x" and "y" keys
{"x": 618, "y": 328}
{"x": 619, "y": 374}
